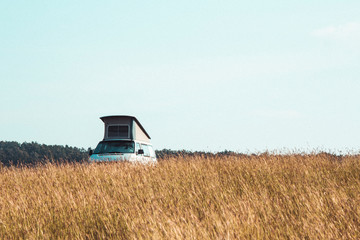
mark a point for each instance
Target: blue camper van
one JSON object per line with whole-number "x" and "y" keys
{"x": 125, "y": 139}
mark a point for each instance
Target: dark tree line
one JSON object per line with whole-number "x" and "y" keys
{"x": 14, "y": 153}
{"x": 167, "y": 153}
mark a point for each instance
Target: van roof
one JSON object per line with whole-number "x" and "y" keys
{"x": 114, "y": 117}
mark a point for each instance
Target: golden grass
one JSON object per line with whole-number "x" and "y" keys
{"x": 257, "y": 197}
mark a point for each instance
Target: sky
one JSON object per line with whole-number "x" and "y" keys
{"x": 210, "y": 75}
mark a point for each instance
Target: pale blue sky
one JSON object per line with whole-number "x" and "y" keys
{"x": 199, "y": 75}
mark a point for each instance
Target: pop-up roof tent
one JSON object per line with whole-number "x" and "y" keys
{"x": 124, "y": 128}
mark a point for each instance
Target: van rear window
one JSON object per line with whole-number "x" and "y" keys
{"x": 120, "y": 131}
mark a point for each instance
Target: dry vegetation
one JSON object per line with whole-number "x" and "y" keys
{"x": 254, "y": 197}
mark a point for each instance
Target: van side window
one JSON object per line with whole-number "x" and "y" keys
{"x": 152, "y": 152}
{"x": 146, "y": 150}
{"x": 137, "y": 147}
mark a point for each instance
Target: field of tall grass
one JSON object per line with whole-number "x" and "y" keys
{"x": 263, "y": 196}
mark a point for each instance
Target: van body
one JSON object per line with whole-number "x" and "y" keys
{"x": 125, "y": 139}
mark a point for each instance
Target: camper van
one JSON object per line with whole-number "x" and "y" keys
{"x": 125, "y": 139}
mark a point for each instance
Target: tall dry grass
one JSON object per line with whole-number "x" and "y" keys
{"x": 258, "y": 197}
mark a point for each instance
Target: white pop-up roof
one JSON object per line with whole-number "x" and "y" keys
{"x": 122, "y": 127}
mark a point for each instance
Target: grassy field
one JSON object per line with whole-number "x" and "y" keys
{"x": 254, "y": 197}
